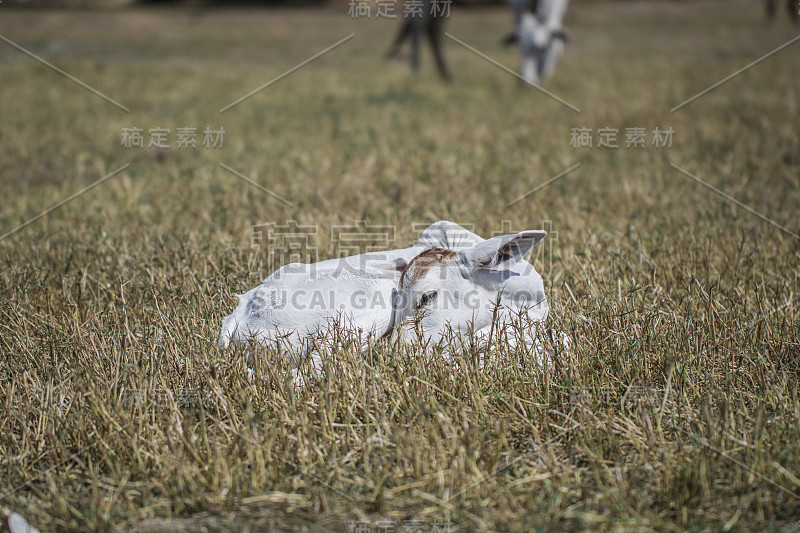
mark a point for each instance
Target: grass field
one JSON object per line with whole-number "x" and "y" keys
{"x": 676, "y": 409}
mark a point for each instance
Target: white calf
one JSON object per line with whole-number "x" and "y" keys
{"x": 450, "y": 280}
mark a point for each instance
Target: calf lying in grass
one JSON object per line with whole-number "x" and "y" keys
{"x": 450, "y": 281}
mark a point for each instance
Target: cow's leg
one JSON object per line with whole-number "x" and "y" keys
{"x": 547, "y": 65}
{"x": 416, "y": 22}
{"x": 513, "y": 37}
{"x": 435, "y": 36}
{"x": 769, "y": 5}
{"x": 529, "y": 69}
{"x": 402, "y": 35}
{"x": 794, "y": 10}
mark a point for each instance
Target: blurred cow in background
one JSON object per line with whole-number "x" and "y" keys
{"x": 423, "y": 17}
{"x": 540, "y": 35}
{"x": 792, "y": 5}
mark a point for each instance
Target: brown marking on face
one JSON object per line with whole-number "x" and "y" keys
{"x": 417, "y": 267}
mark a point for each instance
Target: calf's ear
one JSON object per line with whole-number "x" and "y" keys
{"x": 503, "y": 250}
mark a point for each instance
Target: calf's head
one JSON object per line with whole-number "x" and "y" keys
{"x": 442, "y": 289}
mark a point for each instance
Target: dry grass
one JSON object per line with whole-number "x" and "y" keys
{"x": 677, "y": 409}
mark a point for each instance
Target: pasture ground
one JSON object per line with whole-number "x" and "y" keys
{"x": 677, "y": 409}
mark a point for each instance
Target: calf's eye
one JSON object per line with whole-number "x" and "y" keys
{"x": 427, "y": 298}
